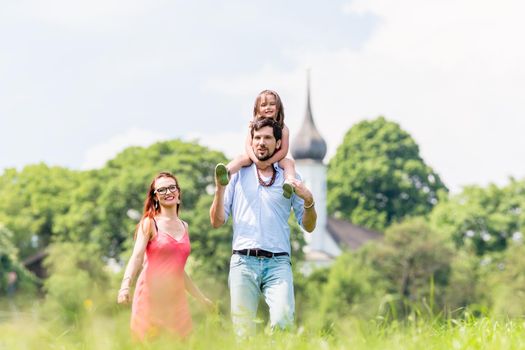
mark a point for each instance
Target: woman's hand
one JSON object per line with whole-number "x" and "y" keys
{"x": 123, "y": 296}
{"x": 207, "y": 304}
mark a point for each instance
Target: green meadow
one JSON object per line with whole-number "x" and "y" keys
{"x": 27, "y": 330}
{"x": 448, "y": 271}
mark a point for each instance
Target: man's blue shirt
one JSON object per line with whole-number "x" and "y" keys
{"x": 260, "y": 214}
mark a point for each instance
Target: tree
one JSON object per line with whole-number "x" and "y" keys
{"x": 31, "y": 201}
{"x": 483, "y": 219}
{"x": 9, "y": 263}
{"x": 351, "y": 287}
{"x": 76, "y": 280}
{"x": 101, "y": 208}
{"x": 467, "y": 289}
{"x": 506, "y": 282}
{"x": 121, "y": 186}
{"x": 377, "y": 176}
{"x": 415, "y": 262}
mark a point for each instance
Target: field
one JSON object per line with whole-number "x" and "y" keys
{"x": 28, "y": 330}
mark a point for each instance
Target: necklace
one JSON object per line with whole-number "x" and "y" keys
{"x": 272, "y": 180}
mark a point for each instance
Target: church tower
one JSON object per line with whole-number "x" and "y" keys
{"x": 309, "y": 149}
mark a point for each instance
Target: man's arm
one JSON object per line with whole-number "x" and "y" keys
{"x": 310, "y": 215}
{"x": 217, "y": 206}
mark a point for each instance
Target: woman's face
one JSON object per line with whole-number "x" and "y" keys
{"x": 166, "y": 192}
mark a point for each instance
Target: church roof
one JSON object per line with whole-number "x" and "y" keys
{"x": 308, "y": 144}
{"x": 348, "y": 235}
{"x": 318, "y": 255}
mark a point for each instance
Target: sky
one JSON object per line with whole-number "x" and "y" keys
{"x": 82, "y": 80}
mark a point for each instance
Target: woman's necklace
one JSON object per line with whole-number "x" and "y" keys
{"x": 272, "y": 180}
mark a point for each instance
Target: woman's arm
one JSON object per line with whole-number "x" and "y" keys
{"x": 196, "y": 293}
{"x": 135, "y": 261}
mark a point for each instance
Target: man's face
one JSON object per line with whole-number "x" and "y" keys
{"x": 264, "y": 144}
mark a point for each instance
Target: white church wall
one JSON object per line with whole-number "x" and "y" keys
{"x": 314, "y": 177}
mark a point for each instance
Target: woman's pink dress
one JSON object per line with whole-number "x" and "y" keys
{"x": 160, "y": 304}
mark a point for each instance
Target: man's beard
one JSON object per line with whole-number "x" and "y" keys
{"x": 265, "y": 157}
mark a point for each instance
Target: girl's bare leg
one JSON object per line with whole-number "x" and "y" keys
{"x": 223, "y": 172}
{"x": 288, "y": 165}
{"x": 238, "y": 162}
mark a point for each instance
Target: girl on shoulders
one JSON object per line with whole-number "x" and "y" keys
{"x": 267, "y": 105}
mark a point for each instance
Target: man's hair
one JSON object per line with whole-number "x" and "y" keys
{"x": 260, "y": 123}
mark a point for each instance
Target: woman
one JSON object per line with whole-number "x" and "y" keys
{"x": 162, "y": 246}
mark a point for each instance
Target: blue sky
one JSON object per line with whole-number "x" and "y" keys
{"x": 81, "y": 80}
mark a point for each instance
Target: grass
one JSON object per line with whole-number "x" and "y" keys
{"x": 29, "y": 330}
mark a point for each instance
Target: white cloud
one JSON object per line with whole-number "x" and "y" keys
{"x": 450, "y": 72}
{"x": 91, "y": 13}
{"x": 98, "y": 155}
{"x": 230, "y": 143}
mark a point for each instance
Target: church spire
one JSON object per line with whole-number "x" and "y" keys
{"x": 308, "y": 143}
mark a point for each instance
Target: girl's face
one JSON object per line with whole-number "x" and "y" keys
{"x": 267, "y": 106}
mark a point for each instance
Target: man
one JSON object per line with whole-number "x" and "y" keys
{"x": 260, "y": 263}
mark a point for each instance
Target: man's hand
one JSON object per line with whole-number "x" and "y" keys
{"x": 302, "y": 191}
{"x": 217, "y": 206}
{"x": 310, "y": 215}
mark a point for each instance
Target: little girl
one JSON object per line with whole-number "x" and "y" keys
{"x": 267, "y": 105}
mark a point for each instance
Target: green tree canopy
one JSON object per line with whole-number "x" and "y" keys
{"x": 412, "y": 257}
{"x": 350, "y": 286}
{"x": 32, "y": 199}
{"x": 9, "y": 263}
{"x": 378, "y": 177}
{"x": 506, "y": 282}
{"x": 76, "y": 278}
{"x": 483, "y": 219}
{"x": 44, "y": 206}
{"x": 118, "y": 191}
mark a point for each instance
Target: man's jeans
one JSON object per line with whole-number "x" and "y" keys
{"x": 252, "y": 276}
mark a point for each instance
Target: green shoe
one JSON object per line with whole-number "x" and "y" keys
{"x": 287, "y": 190}
{"x": 221, "y": 172}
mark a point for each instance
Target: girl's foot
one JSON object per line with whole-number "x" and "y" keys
{"x": 287, "y": 190}
{"x": 221, "y": 172}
